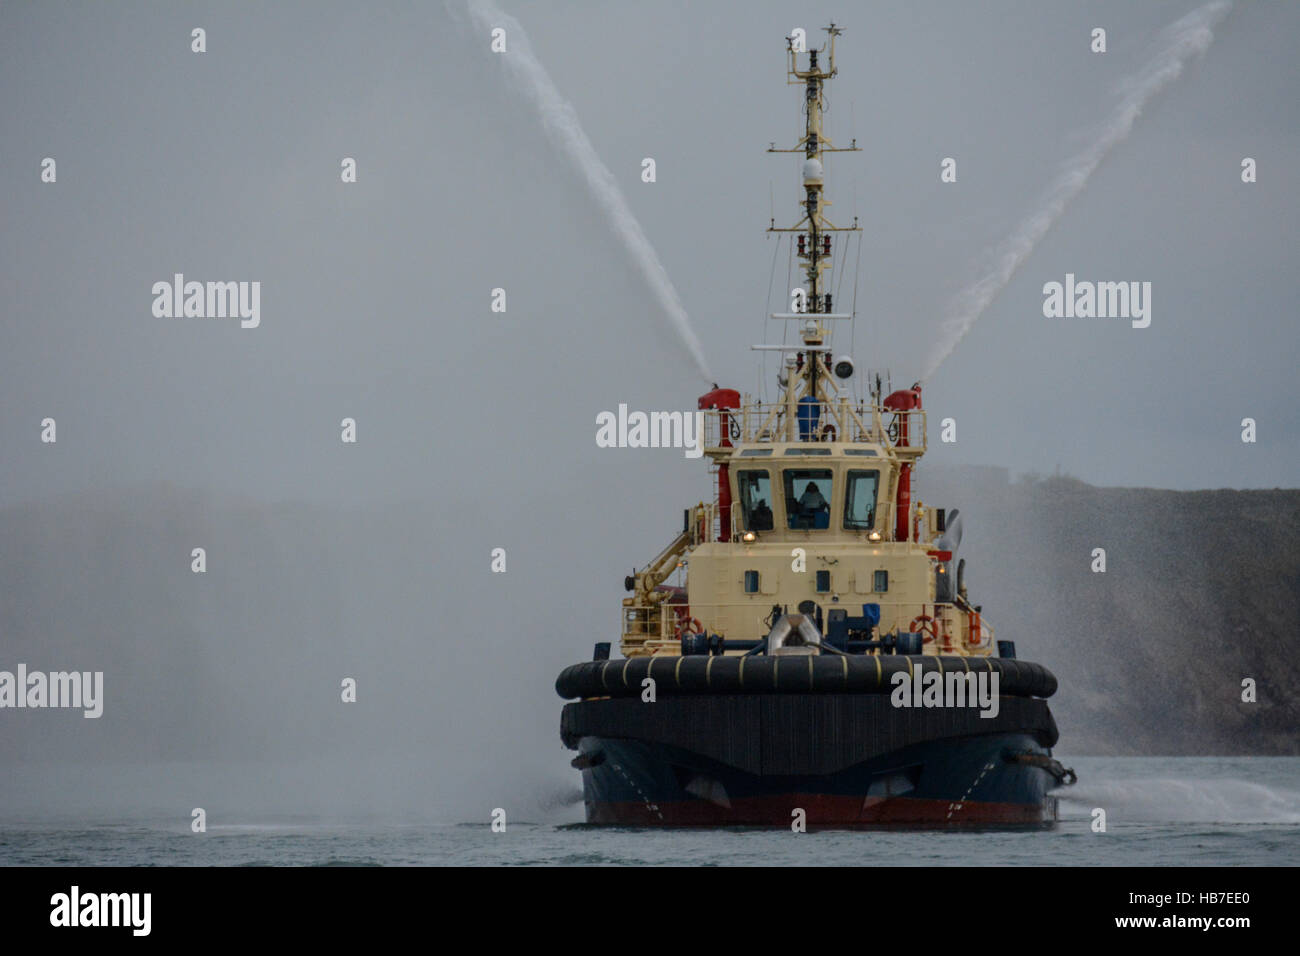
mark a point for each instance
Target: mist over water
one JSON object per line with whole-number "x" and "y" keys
{"x": 222, "y": 689}
{"x": 1221, "y": 811}
{"x": 1187, "y": 37}
{"x": 567, "y": 135}
{"x": 1187, "y": 790}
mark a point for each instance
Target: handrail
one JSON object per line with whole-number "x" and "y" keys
{"x": 761, "y": 608}
{"x": 789, "y": 421}
{"x": 657, "y": 626}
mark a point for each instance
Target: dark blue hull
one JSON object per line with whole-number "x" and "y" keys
{"x": 942, "y": 783}
{"x": 939, "y": 774}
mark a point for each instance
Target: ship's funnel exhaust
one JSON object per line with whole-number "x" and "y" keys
{"x": 902, "y": 403}
{"x": 726, "y": 401}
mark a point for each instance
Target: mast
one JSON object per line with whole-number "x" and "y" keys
{"x": 814, "y": 230}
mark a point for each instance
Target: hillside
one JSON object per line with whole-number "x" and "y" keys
{"x": 1201, "y": 590}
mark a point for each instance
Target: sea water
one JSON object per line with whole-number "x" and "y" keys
{"x": 1161, "y": 811}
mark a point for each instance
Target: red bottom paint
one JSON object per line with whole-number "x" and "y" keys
{"x": 822, "y": 810}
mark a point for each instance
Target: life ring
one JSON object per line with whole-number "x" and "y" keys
{"x": 929, "y": 628}
{"x": 691, "y": 624}
{"x": 828, "y": 430}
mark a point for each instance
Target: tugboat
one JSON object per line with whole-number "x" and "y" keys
{"x": 818, "y": 662}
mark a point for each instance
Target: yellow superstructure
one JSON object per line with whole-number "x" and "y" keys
{"x": 766, "y": 549}
{"x": 812, "y": 511}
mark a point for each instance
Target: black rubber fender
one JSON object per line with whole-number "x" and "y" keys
{"x": 792, "y": 674}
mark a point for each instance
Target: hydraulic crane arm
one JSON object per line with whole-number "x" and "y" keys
{"x": 657, "y": 571}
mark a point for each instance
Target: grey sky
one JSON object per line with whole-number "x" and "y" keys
{"x": 225, "y": 165}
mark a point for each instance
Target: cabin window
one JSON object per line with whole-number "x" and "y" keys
{"x": 755, "y": 499}
{"x": 860, "y": 500}
{"x": 751, "y": 582}
{"x": 881, "y": 583}
{"x": 808, "y": 497}
{"x": 823, "y": 582}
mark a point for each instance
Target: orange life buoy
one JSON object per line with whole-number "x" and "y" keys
{"x": 691, "y": 624}
{"x": 828, "y": 432}
{"x": 928, "y": 627}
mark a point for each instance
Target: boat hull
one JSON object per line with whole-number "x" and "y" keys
{"x": 844, "y": 761}
{"x": 950, "y": 783}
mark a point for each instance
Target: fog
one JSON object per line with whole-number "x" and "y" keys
{"x": 475, "y": 429}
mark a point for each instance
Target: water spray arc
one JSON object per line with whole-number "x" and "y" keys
{"x": 565, "y": 132}
{"x": 1185, "y": 38}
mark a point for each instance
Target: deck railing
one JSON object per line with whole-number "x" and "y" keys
{"x": 658, "y": 627}
{"x": 841, "y": 421}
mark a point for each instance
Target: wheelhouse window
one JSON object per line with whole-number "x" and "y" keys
{"x": 808, "y": 497}
{"x": 755, "y": 499}
{"x": 860, "y": 500}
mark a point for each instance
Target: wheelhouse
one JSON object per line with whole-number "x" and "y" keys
{"x": 808, "y": 489}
